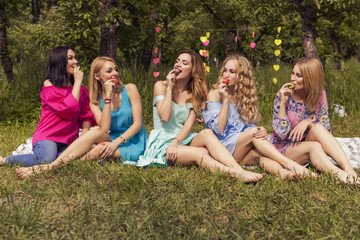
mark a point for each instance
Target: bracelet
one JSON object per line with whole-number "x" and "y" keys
{"x": 107, "y": 100}
{"x": 178, "y": 141}
{"x": 123, "y": 140}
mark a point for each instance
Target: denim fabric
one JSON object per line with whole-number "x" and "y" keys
{"x": 45, "y": 151}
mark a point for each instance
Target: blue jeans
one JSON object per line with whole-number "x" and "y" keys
{"x": 45, "y": 151}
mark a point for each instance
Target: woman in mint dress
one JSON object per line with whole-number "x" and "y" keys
{"x": 120, "y": 133}
{"x": 176, "y": 103}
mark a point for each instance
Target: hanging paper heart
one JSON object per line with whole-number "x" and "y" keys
{"x": 276, "y": 67}
{"x": 278, "y": 29}
{"x": 206, "y": 42}
{"x": 252, "y": 45}
{"x": 157, "y": 29}
{"x": 207, "y": 34}
{"x": 277, "y": 42}
{"x": 204, "y": 64}
{"x": 274, "y": 80}
{"x": 203, "y": 39}
{"x": 156, "y": 60}
{"x": 204, "y": 53}
{"x": 235, "y": 38}
{"x": 156, "y": 50}
{"x": 156, "y": 74}
{"x": 253, "y": 34}
{"x": 201, "y": 52}
{"x": 277, "y": 52}
{"x": 207, "y": 68}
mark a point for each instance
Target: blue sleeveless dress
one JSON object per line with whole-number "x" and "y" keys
{"x": 163, "y": 133}
{"x": 121, "y": 120}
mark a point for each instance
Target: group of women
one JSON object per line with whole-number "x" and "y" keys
{"x": 110, "y": 116}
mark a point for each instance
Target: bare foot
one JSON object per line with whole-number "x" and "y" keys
{"x": 302, "y": 171}
{"x": 25, "y": 172}
{"x": 347, "y": 178}
{"x": 284, "y": 173}
{"x": 352, "y": 173}
{"x": 2, "y": 161}
{"x": 247, "y": 176}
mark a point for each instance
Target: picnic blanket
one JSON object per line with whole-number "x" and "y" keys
{"x": 351, "y": 147}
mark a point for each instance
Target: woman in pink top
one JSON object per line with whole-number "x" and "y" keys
{"x": 65, "y": 109}
{"x": 301, "y": 122}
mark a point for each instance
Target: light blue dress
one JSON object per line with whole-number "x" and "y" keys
{"x": 234, "y": 127}
{"x": 121, "y": 120}
{"x": 163, "y": 133}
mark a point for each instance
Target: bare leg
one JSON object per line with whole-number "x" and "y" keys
{"x": 269, "y": 165}
{"x": 78, "y": 148}
{"x": 313, "y": 151}
{"x": 246, "y": 142}
{"x": 331, "y": 147}
{"x": 198, "y": 155}
{"x": 2, "y": 161}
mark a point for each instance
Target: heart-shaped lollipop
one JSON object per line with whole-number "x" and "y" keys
{"x": 291, "y": 86}
{"x": 225, "y": 80}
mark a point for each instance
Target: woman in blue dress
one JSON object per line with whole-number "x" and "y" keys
{"x": 117, "y": 109}
{"x": 231, "y": 113}
{"x": 176, "y": 103}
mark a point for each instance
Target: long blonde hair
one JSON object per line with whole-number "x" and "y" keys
{"x": 245, "y": 91}
{"x": 197, "y": 84}
{"x": 95, "y": 86}
{"x": 313, "y": 75}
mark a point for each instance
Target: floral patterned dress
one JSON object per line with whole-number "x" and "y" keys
{"x": 295, "y": 113}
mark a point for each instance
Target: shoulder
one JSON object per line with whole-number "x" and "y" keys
{"x": 213, "y": 95}
{"x": 130, "y": 87}
{"x": 160, "y": 88}
{"x": 47, "y": 83}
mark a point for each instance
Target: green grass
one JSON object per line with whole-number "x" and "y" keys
{"x": 84, "y": 200}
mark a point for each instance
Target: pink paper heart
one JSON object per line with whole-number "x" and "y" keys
{"x": 156, "y": 60}
{"x": 204, "y": 53}
{"x": 157, "y": 29}
{"x": 156, "y": 50}
{"x": 236, "y": 39}
{"x": 206, "y": 42}
{"x": 252, "y": 45}
{"x": 156, "y": 74}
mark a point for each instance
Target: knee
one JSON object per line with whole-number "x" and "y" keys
{"x": 318, "y": 127}
{"x": 207, "y": 133}
{"x": 315, "y": 146}
{"x": 201, "y": 153}
{"x": 96, "y": 130}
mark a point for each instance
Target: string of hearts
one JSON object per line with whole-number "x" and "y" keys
{"x": 156, "y": 59}
{"x": 252, "y": 45}
{"x": 277, "y": 52}
{"x": 205, "y": 53}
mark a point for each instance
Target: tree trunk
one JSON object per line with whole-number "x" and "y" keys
{"x": 309, "y": 34}
{"x": 4, "y": 52}
{"x": 108, "y": 30}
{"x": 336, "y": 43}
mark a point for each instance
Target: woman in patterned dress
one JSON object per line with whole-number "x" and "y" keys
{"x": 301, "y": 122}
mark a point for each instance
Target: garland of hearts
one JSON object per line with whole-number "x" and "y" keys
{"x": 252, "y": 45}
{"x": 156, "y": 59}
{"x": 205, "y": 53}
{"x": 277, "y": 52}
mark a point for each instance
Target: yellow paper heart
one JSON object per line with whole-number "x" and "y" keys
{"x": 204, "y": 64}
{"x": 203, "y": 39}
{"x": 278, "y": 29}
{"x": 207, "y": 35}
{"x": 207, "y": 68}
{"x": 274, "y": 80}
{"x": 277, "y": 42}
{"x": 277, "y": 52}
{"x": 276, "y": 67}
{"x": 201, "y": 52}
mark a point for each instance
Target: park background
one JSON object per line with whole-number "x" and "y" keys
{"x": 89, "y": 201}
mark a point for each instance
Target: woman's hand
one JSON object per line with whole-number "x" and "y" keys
{"x": 78, "y": 75}
{"x": 284, "y": 92}
{"x": 223, "y": 90}
{"x": 298, "y": 132}
{"x": 261, "y": 133}
{"x": 107, "y": 149}
{"x": 109, "y": 85}
{"x": 171, "y": 153}
{"x": 170, "y": 79}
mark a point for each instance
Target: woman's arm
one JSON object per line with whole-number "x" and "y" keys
{"x": 171, "y": 153}
{"x": 281, "y": 125}
{"x": 164, "y": 107}
{"x": 78, "y": 78}
{"x": 222, "y": 117}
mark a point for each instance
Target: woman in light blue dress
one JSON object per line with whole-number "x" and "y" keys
{"x": 231, "y": 113}
{"x": 120, "y": 133}
{"x": 176, "y": 103}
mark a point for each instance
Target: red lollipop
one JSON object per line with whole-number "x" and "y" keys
{"x": 225, "y": 80}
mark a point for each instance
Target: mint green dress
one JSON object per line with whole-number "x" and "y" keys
{"x": 163, "y": 133}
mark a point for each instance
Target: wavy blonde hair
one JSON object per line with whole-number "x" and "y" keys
{"x": 313, "y": 75}
{"x": 197, "y": 84}
{"x": 95, "y": 86}
{"x": 245, "y": 91}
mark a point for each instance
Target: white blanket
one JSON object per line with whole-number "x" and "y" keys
{"x": 351, "y": 147}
